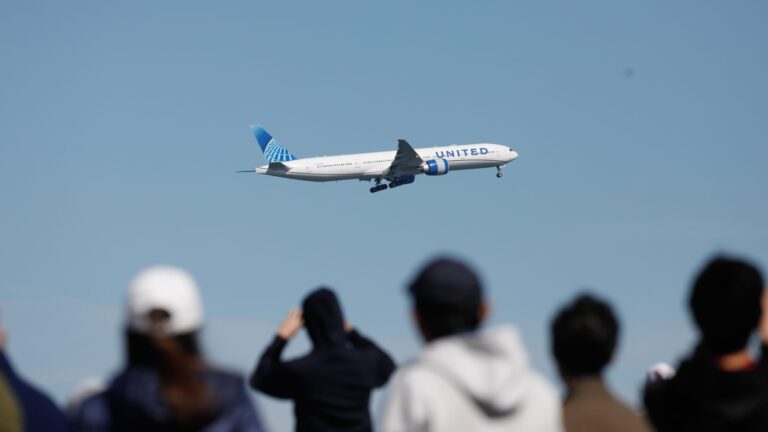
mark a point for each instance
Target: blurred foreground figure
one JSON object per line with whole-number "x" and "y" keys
{"x": 720, "y": 387}
{"x": 22, "y": 406}
{"x": 330, "y": 386}
{"x": 584, "y": 337}
{"x": 166, "y": 384}
{"x": 10, "y": 413}
{"x": 465, "y": 379}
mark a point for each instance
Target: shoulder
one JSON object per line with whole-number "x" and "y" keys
{"x": 238, "y": 411}
{"x": 417, "y": 383}
{"x": 543, "y": 385}
{"x": 92, "y": 414}
{"x": 414, "y": 372}
{"x": 225, "y": 382}
{"x": 40, "y": 408}
{"x": 579, "y": 413}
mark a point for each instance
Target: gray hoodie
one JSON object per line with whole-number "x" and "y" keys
{"x": 478, "y": 381}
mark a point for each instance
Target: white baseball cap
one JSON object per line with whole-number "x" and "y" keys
{"x": 167, "y": 288}
{"x": 660, "y": 372}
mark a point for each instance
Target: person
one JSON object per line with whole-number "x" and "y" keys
{"x": 330, "y": 386}
{"x": 466, "y": 378}
{"x": 22, "y": 405}
{"x": 166, "y": 383}
{"x": 720, "y": 386}
{"x": 585, "y": 333}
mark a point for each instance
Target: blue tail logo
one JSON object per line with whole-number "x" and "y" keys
{"x": 273, "y": 150}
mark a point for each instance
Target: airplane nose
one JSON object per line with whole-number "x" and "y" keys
{"x": 513, "y": 155}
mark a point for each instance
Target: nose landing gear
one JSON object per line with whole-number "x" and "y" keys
{"x": 498, "y": 172}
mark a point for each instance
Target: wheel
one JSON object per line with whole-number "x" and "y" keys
{"x": 498, "y": 175}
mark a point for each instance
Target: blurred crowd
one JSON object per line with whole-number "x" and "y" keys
{"x": 467, "y": 377}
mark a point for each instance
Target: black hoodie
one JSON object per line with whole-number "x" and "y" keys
{"x": 331, "y": 385}
{"x": 702, "y": 397}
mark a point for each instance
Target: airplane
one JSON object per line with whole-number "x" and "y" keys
{"x": 398, "y": 168}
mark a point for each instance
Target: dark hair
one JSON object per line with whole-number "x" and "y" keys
{"x": 142, "y": 350}
{"x": 178, "y": 360}
{"x": 447, "y": 295}
{"x": 584, "y": 336}
{"x": 726, "y": 302}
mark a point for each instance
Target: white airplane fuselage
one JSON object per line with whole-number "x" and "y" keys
{"x": 369, "y": 166}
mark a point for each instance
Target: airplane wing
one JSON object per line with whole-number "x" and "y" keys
{"x": 407, "y": 161}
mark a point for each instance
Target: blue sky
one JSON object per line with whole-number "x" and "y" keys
{"x": 641, "y": 128}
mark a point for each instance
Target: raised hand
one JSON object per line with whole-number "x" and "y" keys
{"x": 291, "y": 324}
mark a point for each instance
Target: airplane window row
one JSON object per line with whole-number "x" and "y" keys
{"x": 334, "y": 165}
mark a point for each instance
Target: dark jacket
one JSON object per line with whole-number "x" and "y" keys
{"x": 331, "y": 385}
{"x": 134, "y": 402}
{"x": 590, "y": 407}
{"x": 38, "y": 410}
{"x": 702, "y": 397}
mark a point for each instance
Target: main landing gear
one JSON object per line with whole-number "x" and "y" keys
{"x": 498, "y": 172}
{"x": 378, "y": 187}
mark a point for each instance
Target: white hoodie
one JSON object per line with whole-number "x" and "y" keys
{"x": 473, "y": 382}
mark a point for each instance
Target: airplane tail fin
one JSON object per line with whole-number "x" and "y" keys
{"x": 273, "y": 150}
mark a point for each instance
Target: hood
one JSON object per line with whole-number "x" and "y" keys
{"x": 490, "y": 366}
{"x": 323, "y": 319}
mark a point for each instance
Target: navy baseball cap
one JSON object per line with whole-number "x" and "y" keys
{"x": 447, "y": 284}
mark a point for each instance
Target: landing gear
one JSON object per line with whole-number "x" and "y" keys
{"x": 379, "y": 186}
{"x": 498, "y": 172}
{"x": 393, "y": 182}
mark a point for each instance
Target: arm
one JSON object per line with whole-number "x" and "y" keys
{"x": 271, "y": 375}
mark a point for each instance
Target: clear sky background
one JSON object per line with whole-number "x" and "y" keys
{"x": 642, "y": 129}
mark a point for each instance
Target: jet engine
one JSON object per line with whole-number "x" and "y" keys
{"x": 435, "y": 167}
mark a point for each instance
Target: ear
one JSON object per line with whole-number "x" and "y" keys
{"x": 420, "y": 325}
{"x": 483, "y": 312}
